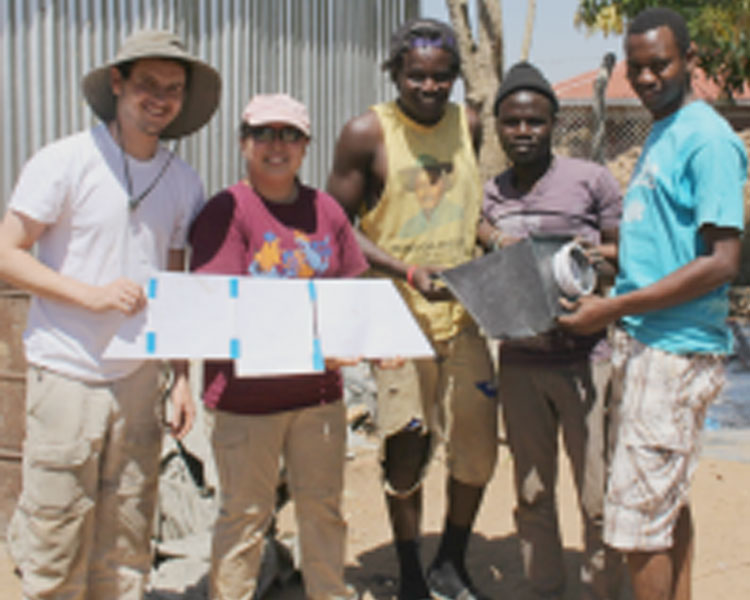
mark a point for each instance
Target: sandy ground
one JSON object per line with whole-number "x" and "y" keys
{"x": 721, "y": 502}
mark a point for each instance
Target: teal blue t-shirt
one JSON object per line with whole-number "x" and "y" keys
{"x": 690, "y": 173}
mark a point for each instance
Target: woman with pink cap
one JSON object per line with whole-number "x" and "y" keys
{"x": 269, "y": 224}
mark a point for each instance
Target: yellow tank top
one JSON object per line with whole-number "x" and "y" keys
{"x": 429, "y": 208}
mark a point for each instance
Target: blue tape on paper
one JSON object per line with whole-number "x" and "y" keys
{"x": 234, "y": 348}
{"x": 319, "y": 364}
{"x": 152, "y": 285}
{"x": 150, "y": 342}
{"x": 234, "y": 287}
{"x": 318, "y": 361}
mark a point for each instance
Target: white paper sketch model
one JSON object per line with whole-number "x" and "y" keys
{"x": 269, "y": 326}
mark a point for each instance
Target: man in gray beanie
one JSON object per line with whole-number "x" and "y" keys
{"x": 106, "y": 207}
{"x": 554, "y": 382}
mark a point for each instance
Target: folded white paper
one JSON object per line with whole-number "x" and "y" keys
{"x": 274, "y": 325}
{"x": 270, "y": 326}
{"x": 186, "y": 317}
{"x": 367, "y": 318}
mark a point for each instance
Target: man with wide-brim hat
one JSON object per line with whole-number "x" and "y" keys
{"x": 202, "y": 87}
{"x": 106, "y": 207}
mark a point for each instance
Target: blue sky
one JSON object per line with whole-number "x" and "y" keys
{"x": 558, "y": 48}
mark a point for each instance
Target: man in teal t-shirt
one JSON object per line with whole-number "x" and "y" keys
{"x": 688, "y": 179}
{"x": 679, "y": 249}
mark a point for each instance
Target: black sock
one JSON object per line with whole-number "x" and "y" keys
{"x": 452, "y": 548}
{"x": 413, "y": 584}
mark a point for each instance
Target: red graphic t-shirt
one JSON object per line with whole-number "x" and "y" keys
{"x": 239, "y": 233}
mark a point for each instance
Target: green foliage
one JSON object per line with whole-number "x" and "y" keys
{"x": 720, "y": 29}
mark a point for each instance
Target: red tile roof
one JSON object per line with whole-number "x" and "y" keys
{"x": 581, "y": 87}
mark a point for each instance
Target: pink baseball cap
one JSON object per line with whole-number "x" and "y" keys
{"x": 276, "y": 108}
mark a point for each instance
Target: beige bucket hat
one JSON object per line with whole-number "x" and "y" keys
{"x": 201, "y": 96}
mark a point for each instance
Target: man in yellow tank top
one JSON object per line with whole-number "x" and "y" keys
{"x": 408, "y": 170}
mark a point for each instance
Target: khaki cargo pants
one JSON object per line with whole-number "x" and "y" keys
{"x": 90, "y": 467}
{"x": 248, "y": 451}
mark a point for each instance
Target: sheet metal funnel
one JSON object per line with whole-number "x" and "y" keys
{"x": 514, "y": 292}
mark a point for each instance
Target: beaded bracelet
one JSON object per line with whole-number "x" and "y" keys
{"x": 410, "y": 275}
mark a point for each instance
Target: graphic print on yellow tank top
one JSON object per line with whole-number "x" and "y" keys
{"x": 429, "y": 208}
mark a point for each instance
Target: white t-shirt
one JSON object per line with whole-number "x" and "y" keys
{"x": 77, "y": 186}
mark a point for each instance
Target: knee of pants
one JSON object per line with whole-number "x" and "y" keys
{"x": 472, "y": 464}
{"x": 53, "y": 526}
{"x": 326, "y": 498}
{"x": 59, "y": 480}
{"x": 406, "y": 456}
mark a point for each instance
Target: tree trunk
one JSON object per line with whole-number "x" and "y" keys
{"x": 482, "y": 69}
{"x": 530, "y": 16}
{"x": 600, "y": 114}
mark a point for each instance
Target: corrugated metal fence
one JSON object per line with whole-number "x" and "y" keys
{"x": 325, "y": 52}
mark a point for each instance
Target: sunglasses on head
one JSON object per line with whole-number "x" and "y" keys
{"x": 266, "y": 133}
